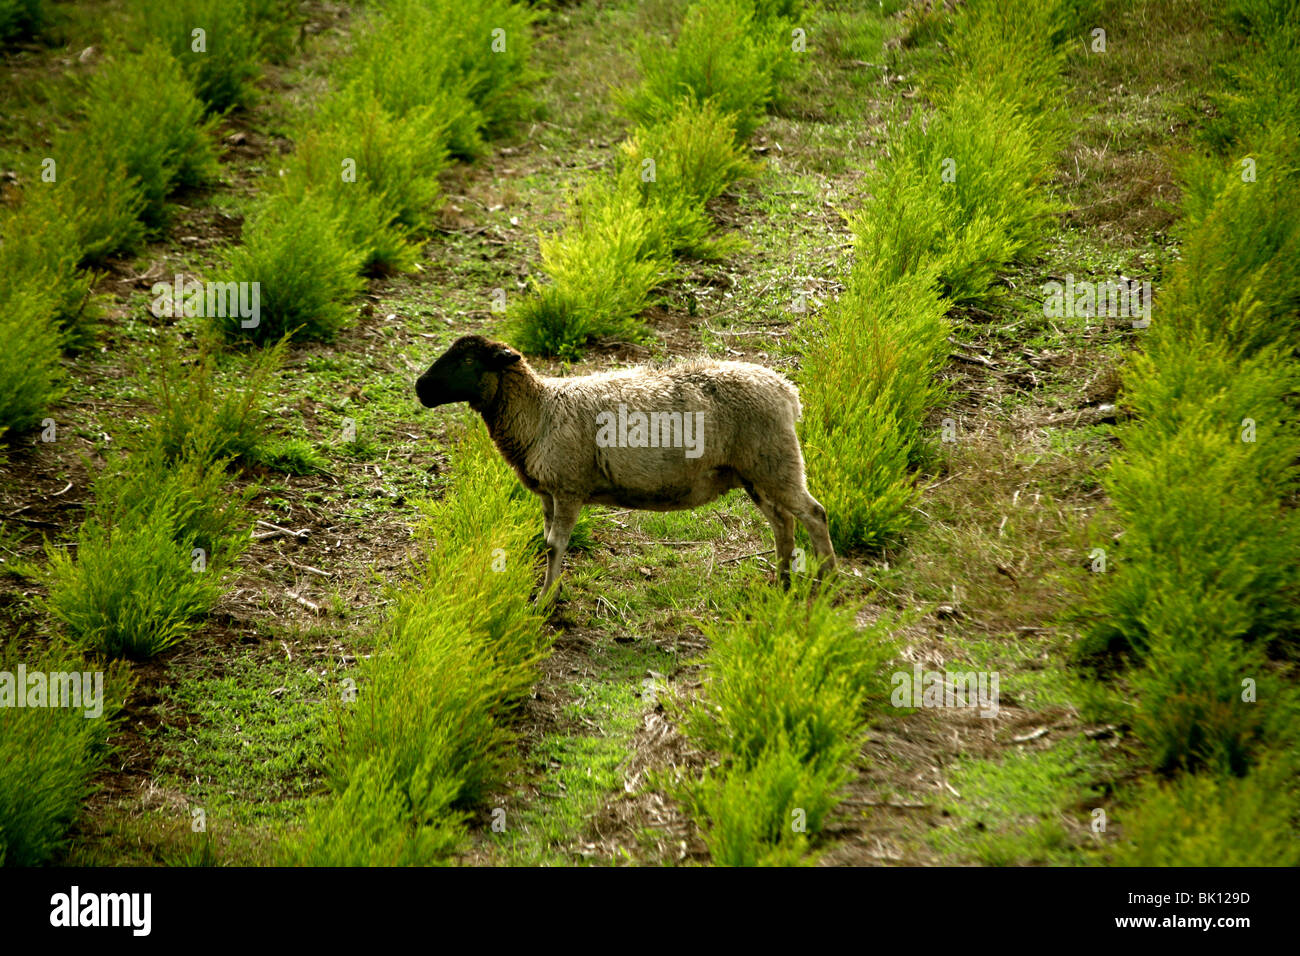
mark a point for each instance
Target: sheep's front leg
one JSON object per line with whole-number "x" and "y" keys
{"x": 564, "y": 515}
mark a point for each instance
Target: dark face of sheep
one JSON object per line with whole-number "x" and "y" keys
{"x": 466, "y": 372}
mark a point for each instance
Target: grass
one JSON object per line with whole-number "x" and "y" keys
{"x": 1027, "y": 807}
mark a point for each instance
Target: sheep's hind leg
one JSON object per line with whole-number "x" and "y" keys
{"x": 564, "y": 515}
{"x": 782, "y": 523}
{"x": 810, "y": 511}
{"x": 548, "y": 514}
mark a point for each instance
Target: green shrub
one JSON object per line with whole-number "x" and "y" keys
{"x": 987, "y": 44}
{"x": 1203, "y": 511}
{"x": 679, "y": 165}
{"x": 1263, "y": 94}
{"x": 223, "y": 73}
{"x": 197, "y": 419}
{"x": 372, "y": 823}
{"x": 1240, "y": 252}
{"x": 39, "y": 252}
{"x": 307, "y": 272}
{"x": 438, "y": 55}
{"x": 1187, "y": 708}
{"x": 1205, "y": 576}
{"x": 194, "y": 488}
{"x": 993, "y": 210}
{"x": 389, "y": 184}
{"x": 48, "y": 756}
{"x": 459, "y": 655}
{"x": 94, "y": 194}
{"x": 788, "y": 683}
{"x": 694, "y": 152}
{"x": 142, "y": 112}
{"x": 870, "y": 374}
{"x": 789, "y": 673}
{"x": 716, "y": 58}
{"x": 434, "y": 700}
{"x": 20, "y": 18}
{"x": 1209, "y": 821}
{"x": 603, "y": 269}
{"x": 133, "y": 590}
{"x": 756, "y": 815}
{"x": 31, "y": 377}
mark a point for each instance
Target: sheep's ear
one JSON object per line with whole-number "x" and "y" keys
{"x": 503, "y": 357}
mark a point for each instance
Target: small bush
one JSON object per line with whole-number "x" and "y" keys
{"x": 694, "y": 153}
{"x": 788, "y": 684}
{"x": 792, "y": 674}
{"x": 754, "y": 813}
{"x": 20, "y": 19}
{"x": 870, "y": 375}
{"x": 142, "y": 112}
{"x": 1187, "y": 709}
{"x": 31, "y": 377}
{"x": 96, "y": 196}
{"x": 48, "y": 756}
{"x": 716, "y": 58}
{"x": 223, "y": 73}
{"x": 987, "y": 44}
{"x": 39, "y": 252}
{"x": 196, "y": 419}
{"x": 992, "y": 210}
{"x": 393, "y": 166}
{"x": 1241, "y": 252}
{"x": 193, "y": 488}
{"x": 440, "y": 56}
{"x": 372, "y": 823}
{"x": 1204, "y": 820}
{"x": 132, "y": 590}
{"x": 460, "y": 654}
{"x": 307, "y": 272}
{"x": 603, "y": 270}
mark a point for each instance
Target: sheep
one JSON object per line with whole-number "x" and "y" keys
{"x": 650, "y": 439}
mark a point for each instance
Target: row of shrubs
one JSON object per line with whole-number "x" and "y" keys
{"x": 145, "y": 568}
{"x": 428, "y": 737}
{"x": 699, "y": 102}
{"x": 426, "y": 82}
{"x": 789, "y": 682}
{"x": 149, "y": 560}
{"x": 958, "y": 196}
{"x": 141, "y": 129}
{"x": 1199, "y": 607}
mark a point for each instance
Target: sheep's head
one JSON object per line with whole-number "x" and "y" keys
{"x": 469, "y": 371}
